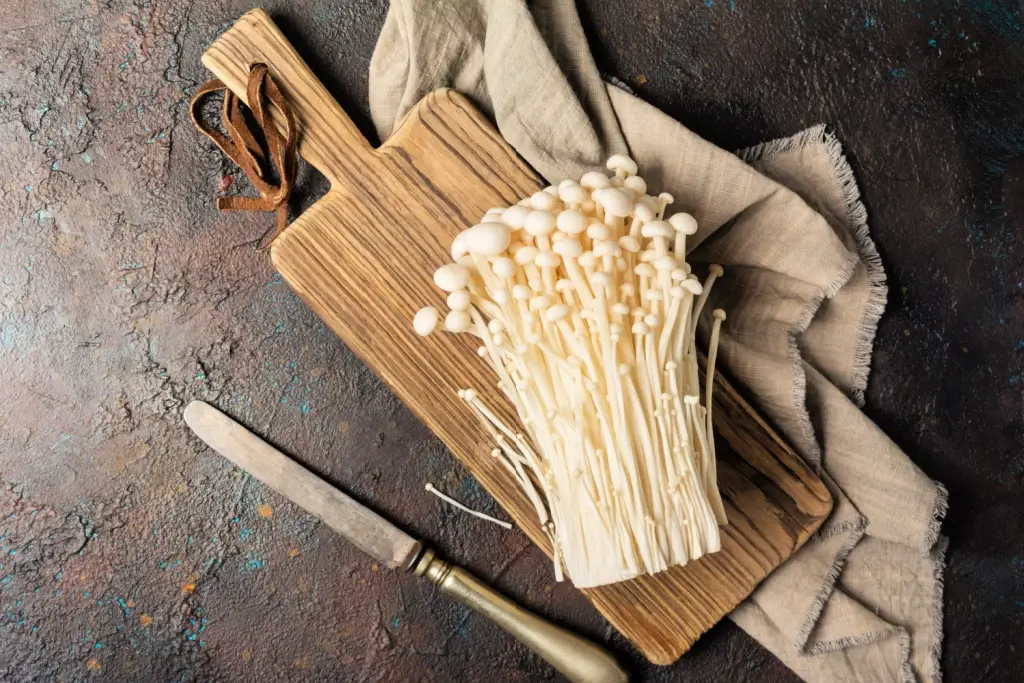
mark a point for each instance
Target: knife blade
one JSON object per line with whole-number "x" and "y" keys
{"x": 580, "y": 660}
{"x": 365, "y": 529}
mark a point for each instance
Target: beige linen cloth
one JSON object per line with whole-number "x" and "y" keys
{"x": 804, "y": 289}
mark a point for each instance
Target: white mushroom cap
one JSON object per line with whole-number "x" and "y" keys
{"x": 526, "y": 255}
{"x": 573, "y": 194}
{"x": 643, "y": 212}
{"x": 692, "y": 286}
{"x": 515, "y": 216}
{"x": 716, "y": 270}
{"x": 587, "y": 259}
{"x": 458, "y": 300}
{"x": 556, "y": 313}
{"x": 601, "y": 279}
{"x": 568, "y": 246}
{"x": 636, "y": 184}
{"x": 665, "y": 263}
{"x": 648, "y": 255}
{"x": 718, "y": 314}
{"x": 571, "y": 221}
{"x": 540, "y": 223}
{"x": 500, "y": 297}
{"x": 605, "y": 248}
{"x": 684, "y": 223}
{"x": 503, "y": 267}
{"x": 487, "y": 239}
{"x": 547, "y": 259}
{"x": 620, "y": 162}
{"x": 599, "y": 231}
{"x": 425, "y": 320}
{"x": 615, "y": 203}
{"x": 459, "y": 246}
{"x": 492, "y": 216}
{"x": 521, "y": 293}
{"x": 594, "y": 180}
{"x": 539, "y": 303}
{"x": 645, "y": 270}
{"x": 457, "y": 321}
{"x": 657, "y": 229}
{"x": 544, "y": 201}
{"x": 629, "y": 244}
{"x": 551, "y": 190}
{"x": 451, "y": 276}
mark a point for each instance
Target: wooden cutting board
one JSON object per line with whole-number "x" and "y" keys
{"x": 363, "y": 258}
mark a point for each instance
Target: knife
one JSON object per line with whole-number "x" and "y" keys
{"x": 578, "y": 659}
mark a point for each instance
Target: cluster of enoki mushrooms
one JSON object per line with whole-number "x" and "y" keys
{"x": 586, "y": 309}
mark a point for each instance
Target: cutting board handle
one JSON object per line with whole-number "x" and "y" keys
{"x": 327, "y": 137}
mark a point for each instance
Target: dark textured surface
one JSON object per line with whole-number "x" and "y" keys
{"x": 129, "y": 552}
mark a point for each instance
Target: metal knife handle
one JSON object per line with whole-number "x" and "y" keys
{"x": 578, "y": 659}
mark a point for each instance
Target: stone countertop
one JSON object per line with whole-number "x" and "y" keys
{"x": 130, "y": 552}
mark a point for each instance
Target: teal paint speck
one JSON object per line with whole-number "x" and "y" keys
{"x": 396, "y": 623}
{"x": 899, "y": 72}
{"x": 252, "y": 564}
{"x": 245, "y": 534}
{"x": 124, "y": 606}
{"x": 306, "y": 408}
{"x": 99, "y": 646}
{"x": 28, "y": 188}
{"x": 868, "y": 22}
{"x": 85, "y": 594}
{"x": 86, "y": 158}
{"x": 932, "y": 43}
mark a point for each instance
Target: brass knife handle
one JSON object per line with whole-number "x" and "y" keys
{"x": 578, "y": 659}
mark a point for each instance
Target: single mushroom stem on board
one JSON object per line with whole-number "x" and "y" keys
{"x": 586, "y": 310}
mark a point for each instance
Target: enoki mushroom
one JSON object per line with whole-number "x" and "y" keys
{"x": 587, "y": 311}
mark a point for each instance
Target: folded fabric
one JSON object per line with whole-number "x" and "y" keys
{"x": 804, "y": 288}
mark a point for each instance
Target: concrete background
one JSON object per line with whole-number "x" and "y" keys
{"x": 131, "y": 553}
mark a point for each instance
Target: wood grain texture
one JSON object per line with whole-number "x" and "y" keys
{"x": 363, "y": 258}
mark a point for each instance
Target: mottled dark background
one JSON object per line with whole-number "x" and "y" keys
{"x": 131, "y": 553}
